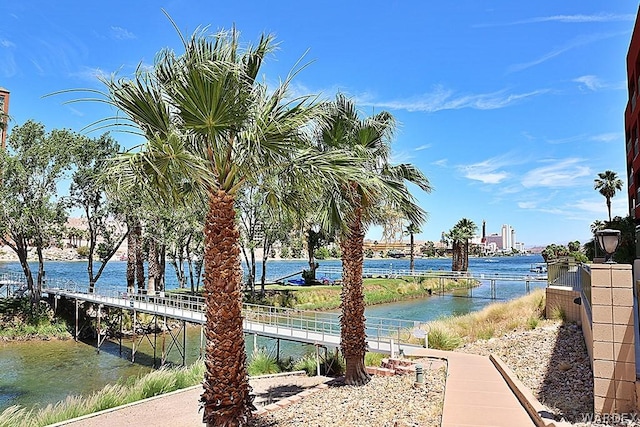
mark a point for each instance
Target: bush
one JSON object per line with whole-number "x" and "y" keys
{"x": 262, "y": 363}
{"x": 333, "y": 365}
{"x": 83, "y": 251}
{"x": 443, "y": 340}
{"x": 373, "y": 359}
{"x": 308, "y": 364}
{"x": 321, "y": 253}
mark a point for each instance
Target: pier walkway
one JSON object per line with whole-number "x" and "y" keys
{"x": 387, "y": 336}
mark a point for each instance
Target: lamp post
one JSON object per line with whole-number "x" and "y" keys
{"x": 608, "y": 240}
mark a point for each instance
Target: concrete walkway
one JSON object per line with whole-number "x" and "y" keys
{"x": 476, "y": 394}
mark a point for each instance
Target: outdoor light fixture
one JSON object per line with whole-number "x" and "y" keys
{"x": 608, "y": 240}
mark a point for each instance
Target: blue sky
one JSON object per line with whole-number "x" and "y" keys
{"x": 510, "y": 108}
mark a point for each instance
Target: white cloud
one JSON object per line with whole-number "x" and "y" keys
{"x": 441, "y": 162}
{"x": 591, "y": 82}
{"x": 572, "y": 44}
{"x": 422, "y": 147}
{"x": 527, "y": 205}
{"x": 89, "y": 74}
{"x": 571, "y": 19}
{"x": 120, "y": 33}
{"x": 488, "y": 171}
{"x": 7, "y": 43}
{"x": 445, "y": 99}
{"x": 600, "y": 17}
{"x": 608, "y": 137}
{"x": 558, "y": 174}
{"x": 602, "y": 137}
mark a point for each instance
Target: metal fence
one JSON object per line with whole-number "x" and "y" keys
{"x": 564, "y": 272}
{"x": 192, "y": 308}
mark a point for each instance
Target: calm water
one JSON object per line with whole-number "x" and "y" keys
{"x": 38, "y": 373}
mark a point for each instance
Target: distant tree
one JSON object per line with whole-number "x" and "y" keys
{"x": 30, "y": 214}
{"x": 103, "y": 214}
{"x": 597, "y": 225}
{"x": 552, "y": 252}
{"x": 460, "y": 235}
{"x": 626, "y": 252}
{"x": 608, "y": 184}
{"x": 411, "y": 230}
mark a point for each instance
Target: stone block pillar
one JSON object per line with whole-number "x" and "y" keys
{"x": 614, "y": 361}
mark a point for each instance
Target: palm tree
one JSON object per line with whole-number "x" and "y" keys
{"x": 411, "y": 230}
{"x": 460, "y": 235}
{"x": 357, "y": 202}
{"x": 608, "y": 183}
{"x": 597, "y": 225}
{"x": 211, "y": 127}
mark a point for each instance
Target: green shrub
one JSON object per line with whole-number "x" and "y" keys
{"x": 557, "y": 313}
{"x": 443, "y": 340}
{"x": 322, "y": 253}
{"x": 262, "y": 363}
{"x": 373, "y": 359}
{"x": 333, "y": 365}
{"x": 83, "y": 251}
{"x": 308, "y": 364}
{"x": 533, "y": 322}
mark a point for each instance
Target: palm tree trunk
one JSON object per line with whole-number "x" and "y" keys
{"x": 353, "y": 340}
{"x": 609, "y": 207}
{"x": 411, "y": 259}
{"x": 226, "y": 398}
{"x": 139, "y": 257}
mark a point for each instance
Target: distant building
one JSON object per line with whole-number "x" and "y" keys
{"x": 632, "y": 122}
{"x": 4, "y": 115}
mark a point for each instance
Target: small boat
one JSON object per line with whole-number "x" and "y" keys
{"x": 538, "y": 268}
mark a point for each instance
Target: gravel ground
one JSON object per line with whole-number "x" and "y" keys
{"x": 384, "y": 401}
{"x": 551, "y": 360}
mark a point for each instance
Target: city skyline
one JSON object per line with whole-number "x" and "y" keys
{"x": 510, "y": 111}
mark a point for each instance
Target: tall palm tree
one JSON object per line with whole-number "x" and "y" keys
{"x": 411, "y": 230}
{"x": 211, "y": 127}
{"x": 607, "y": 183}
{"x": 460, "y": 235}
{"x": 357, "y": 202}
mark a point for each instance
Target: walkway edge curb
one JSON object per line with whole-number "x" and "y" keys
{"x": 536, "y": 410}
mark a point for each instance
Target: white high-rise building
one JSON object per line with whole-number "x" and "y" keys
{"x": 507, "y": 235}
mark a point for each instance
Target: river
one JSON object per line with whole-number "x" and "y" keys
{"x": 43, "y": 372}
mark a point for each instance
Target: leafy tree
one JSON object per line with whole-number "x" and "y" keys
{"x": 30, "y": 214}
{"x": 87, "y": 192}
{"x": 608, "y": 184}
{"x": 552, "y": 252}
{"x": 626, "y": 252}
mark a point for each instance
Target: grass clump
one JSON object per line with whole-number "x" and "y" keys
{"x": 306, "y": 363}
{"x": 110, "y": 396}
{"x": 373, "y": 359}
{"x": 443, "y": 339}
{"x": 262, "y": 363}
{"x": 494, "y": 320}
{"x": 557, "y": 313}
{"x": 376, "y": 291}
{"x": 18, "y": 320}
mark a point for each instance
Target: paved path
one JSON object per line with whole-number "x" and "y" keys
{"x": 476, "y": 395}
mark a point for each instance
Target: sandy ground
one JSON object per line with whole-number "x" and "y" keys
{"x": 184, "y": 408}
